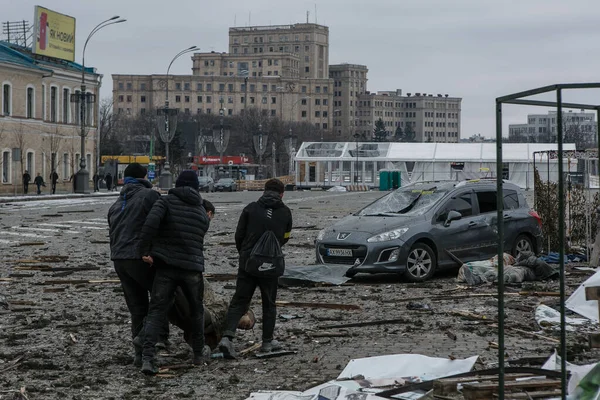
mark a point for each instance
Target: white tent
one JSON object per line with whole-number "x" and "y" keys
{"x": 340, "y": 164}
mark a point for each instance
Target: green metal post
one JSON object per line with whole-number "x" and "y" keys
{"x": 561, "y": 244}
{"x": 500, "y": 224}
{"x": 598, "y": 142}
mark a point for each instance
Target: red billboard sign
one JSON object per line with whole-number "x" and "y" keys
{"x": 215, "y": 160}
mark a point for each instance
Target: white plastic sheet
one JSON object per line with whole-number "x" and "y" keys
{"x": 579, "y": 304}
{"x": 578, "y": 372}
{"x": 376, "y": 372}
{"x": 549, "y": 317}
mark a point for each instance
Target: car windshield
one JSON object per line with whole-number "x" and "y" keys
{"x": 407, "y": 201}
{"x": 202, "y": 180}
{"x": 226, "y": 180}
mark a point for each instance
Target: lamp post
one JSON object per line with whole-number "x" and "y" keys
{"x": 260, "y": 145}
{"x": 167, "y": 125}
{"x": 290, "y": 144}
{"x": 82, "y": 178}
{"x": 356, "y": 137}
{"x": 221, "y": 133}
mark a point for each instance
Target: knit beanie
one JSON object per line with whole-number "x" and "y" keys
{"x": 187, "y": 178}
{"x": 135, "y": 170}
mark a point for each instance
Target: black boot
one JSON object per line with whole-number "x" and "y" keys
{"x": 149, "y": 367}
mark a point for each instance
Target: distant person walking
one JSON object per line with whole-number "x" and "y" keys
{"x": 39, "y": 182}
{"x": 53, "y": 179}
{"x": 26, "y": 180}
{"x": 96, "y": 182}
{"x": 108, "y": 180}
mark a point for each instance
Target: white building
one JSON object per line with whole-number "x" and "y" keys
{"x": 335, "y": 164}
{"x": 540, "y": 128}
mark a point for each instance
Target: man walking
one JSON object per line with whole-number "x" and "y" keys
{"x": 108, "y": 180}
{"x": 26, "y": 180}
{"x": 96, "y": 179}
{"x": 269, "y": 213}
{"x": 39, "y": 182}
{"x": 125, "y": 220}
{"x": 173, "y": 241}
{"x": 53, "y": 179}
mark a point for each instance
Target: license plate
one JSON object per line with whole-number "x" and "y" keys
{"x": 339, "y": 252}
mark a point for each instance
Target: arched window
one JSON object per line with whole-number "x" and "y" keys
{"x": 6, "y": 98}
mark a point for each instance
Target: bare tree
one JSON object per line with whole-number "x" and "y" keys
{"x": 108, "y": 124}
{"x": 20, "y": 140}
{"x": 53, "y": 143}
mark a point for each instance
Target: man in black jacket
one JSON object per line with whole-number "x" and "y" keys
{"x": 26, "y": 180}
{"x": 173, "y": 241}
{"x": 125, "y": 220}
{"x": 268, "y": 213}
{"x": 53, "y": 180}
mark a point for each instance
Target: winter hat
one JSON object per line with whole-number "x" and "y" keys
{"x": 135, "y": 170}
{"x": 187, "y": 178}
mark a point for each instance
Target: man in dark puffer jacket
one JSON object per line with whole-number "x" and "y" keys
{"x": 173, "y": 241}
{"x": 125, "y": 220}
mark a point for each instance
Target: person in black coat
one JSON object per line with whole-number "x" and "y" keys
{"x": 39, "y": 182}
{"x": 53, "y": 179}
{"x": 268, "y": 213}
{"x": 173, "y": 241}
{"x": 96, "y": 180}
{"x": 108, "y": 180}
{"x": 26, "y": 180}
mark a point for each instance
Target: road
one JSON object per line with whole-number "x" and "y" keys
{"x": 66, "y": 334}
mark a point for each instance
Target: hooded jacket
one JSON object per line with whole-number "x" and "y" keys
{"x": 175, "y": 228}
{"x": 127, "y": 216}
{"x": 268, "y": 213}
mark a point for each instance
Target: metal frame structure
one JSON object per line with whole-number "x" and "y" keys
{"x": 519, "y": 99}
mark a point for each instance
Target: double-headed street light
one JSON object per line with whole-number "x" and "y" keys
{"x": 356, "y": 137}
{"x": 167, "y": 125}
{"x": 82, "y": 178}
{"x": 260, "y": 145}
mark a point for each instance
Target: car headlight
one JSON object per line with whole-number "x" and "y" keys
{"x": 321, "y": 235}
{"x": 385, "y": 236}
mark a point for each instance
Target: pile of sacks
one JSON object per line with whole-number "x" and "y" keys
{"x": 526, "y": 267}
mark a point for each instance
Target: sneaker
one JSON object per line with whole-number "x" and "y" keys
{"x": 200, "y": 359}
{"x": 226, "y": 347}
{"x": 272, "y": 345}
{"x": 149, "y": 367}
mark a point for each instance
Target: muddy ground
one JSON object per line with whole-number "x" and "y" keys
{"x": 71, "y": 340}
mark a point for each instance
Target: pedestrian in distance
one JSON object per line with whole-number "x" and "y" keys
{"x": 26, "y": 180}
{"x": 39, "y": 182}
{"x": 96, "y": 180}
{"x": 125, "y": 220}
{"x": 53, "y": 180}
{"x": 173, "y": 241}
{"x": 265, "y": 218}
{"x": 108, "y": 180}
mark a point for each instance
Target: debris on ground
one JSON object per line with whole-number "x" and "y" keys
{"x": 314, "y": 274}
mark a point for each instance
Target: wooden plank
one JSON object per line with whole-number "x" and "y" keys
{"x": 486, "y": 390}
{"x": 531, "y": 395}
{"x": 594, "y": 340}
{"x": 448, "y": 386}
{"x": 592, "y": 293}
{"x": 335, "y": 306}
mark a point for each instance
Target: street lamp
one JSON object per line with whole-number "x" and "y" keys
{"x": 221, "y": 133}
{"x": 82, "y": 178}
{"x": 260, "y": 145}
{"x": 356, "y": 137}
{"x": 167, "y": 125}
{"x": 290, "y": 145}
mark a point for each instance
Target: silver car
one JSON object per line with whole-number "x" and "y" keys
{"x": 427, "y": 226}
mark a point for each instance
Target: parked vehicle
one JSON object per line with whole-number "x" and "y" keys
{"x": 426, "y": 226}
{"x": 226, "y": 185}
{"x": 206, "y": 184}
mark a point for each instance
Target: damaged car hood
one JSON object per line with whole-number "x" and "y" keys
{"x": 373, "y": 224}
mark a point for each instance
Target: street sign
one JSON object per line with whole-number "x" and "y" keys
{"x": 151, "y": 173}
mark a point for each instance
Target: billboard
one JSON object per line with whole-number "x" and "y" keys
{"x": 54, "y": 34}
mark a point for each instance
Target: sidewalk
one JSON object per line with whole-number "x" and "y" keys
{"x": 60, "y": 196}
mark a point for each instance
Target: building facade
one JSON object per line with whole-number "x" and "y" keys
{"x": 39, "y": 120}
{"x": 578, "y": 127}
{"x": 284, "y": 71}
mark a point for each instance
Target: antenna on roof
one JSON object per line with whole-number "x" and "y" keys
{"x": 234, "y": 20}
{"x": 249, "y": 18}
{"x": 307, "y": 14}
{"x": 316, "y": 13}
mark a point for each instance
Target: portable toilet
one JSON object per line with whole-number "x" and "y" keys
{"x": 396, "y": 179}
{"x": 384, "y": 180}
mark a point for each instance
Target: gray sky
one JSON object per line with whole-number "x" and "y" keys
{"x": 474, "y": 49}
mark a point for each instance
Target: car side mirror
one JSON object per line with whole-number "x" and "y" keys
{"x": 452, "y": 216}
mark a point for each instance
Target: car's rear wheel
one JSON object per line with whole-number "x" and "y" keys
{"x": 420, "y": 263}
{"x": 350, "y": 274}
{"x": 522, "y": 244}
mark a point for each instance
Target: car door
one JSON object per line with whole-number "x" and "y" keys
{"x": 488, "y": 212}
{"x": 460, "y": 237}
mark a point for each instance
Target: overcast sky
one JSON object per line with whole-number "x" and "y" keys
{"x": 474, "y": 49}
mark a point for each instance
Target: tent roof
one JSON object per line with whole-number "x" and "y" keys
{"x": 446, "y": 152}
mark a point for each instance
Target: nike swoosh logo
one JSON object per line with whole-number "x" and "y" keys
{"x": 264, "y": 267}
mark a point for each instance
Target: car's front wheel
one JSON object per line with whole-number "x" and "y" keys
{"x": 522, "y": 244}
{"x": 420, "y": 263}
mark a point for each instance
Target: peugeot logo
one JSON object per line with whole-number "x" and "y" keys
{"x": 343, "y": 235}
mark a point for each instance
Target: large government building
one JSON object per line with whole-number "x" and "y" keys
{"x": 284, "y": 70}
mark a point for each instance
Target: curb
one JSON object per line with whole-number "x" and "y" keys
{"x": 18, "y": 199}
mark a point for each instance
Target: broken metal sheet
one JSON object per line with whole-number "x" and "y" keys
{"x": 579, "y": 304}
{"x": 549, "y": 317}
{"x": 310, "y": 274}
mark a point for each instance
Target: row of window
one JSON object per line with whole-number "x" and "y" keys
{"x": 271, "y": 39}
{"x": 65, "y": 168}
{"x": 230, "y": 87}
{"x": 440, "y": 134}
{"x": 68, "y": 113}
